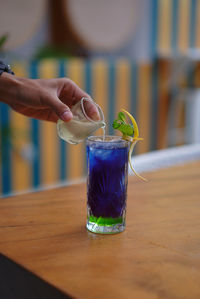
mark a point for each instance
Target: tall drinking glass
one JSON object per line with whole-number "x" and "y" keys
{"x": 107, "y": 162}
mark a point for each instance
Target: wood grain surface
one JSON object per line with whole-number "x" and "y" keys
{"x": 157, "y": 256}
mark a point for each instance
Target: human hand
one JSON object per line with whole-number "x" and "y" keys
{"x": 45, "y": 99}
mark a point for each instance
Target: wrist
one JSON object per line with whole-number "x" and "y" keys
{"x": 9, "y": 86}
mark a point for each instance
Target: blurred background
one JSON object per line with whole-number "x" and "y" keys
{"x": 140, "y": 55}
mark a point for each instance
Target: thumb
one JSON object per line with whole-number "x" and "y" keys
{"x": 62, "y": 110}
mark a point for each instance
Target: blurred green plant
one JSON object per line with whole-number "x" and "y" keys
{"x": 3, "y": 40}
{"x": 49, "y": 51}
{"x": 9, "y": 137}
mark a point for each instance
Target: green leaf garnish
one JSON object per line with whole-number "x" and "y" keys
{"x": 121, "y": 125}
{"x": 121, "y": 116}
{"x": 116, "y": 124}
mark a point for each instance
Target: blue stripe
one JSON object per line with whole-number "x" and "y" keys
{"x": 62, "y": 72}
{"x": 174, "y": 24}
{"x": 154, "y": 107}
{"x": 154, "y": 27}
{"x": 88, "y": 88}
{"x": 88, "y": 78}
{"x": 5, "y": 159}
{"x": 192, "y": 31}
{"x": 111, "y": 96}
{"x": 35, "y": 136}
{"x": 134, "y": 89}
{"x": 190, "y": 77}
{"x": 63, "y": 160}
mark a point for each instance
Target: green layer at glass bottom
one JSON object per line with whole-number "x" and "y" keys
{"x": 105, "y": 221}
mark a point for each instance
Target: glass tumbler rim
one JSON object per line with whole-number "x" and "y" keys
{"x": 115, "y": 142}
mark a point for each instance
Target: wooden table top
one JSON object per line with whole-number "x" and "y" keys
{"x": 157, "y": 256}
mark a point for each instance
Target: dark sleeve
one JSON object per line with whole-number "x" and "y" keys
{"x": 5, "y": 68}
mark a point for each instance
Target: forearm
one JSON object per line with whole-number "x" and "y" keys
{"x": 47, "y": 99}
{"x": 17, "y": 90}
{"x": 9, "y": 87}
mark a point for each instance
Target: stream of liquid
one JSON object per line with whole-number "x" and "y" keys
{"x": 104, "y": 132}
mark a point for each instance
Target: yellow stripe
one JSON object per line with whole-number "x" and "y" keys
{"x": 49, "y": 139}
{"x": 164, "y": 28}
{"x": 76, "y": 153}
{"x": 143, "y": 112}
{"x": 49, "y": 153}
{"x": 183, "y": 28}
{"x": 20, "y": 141}
{"x": 20, "y": 69}
{"x": 48, "y": 69}
{"x": 198, "y": 25}
{"x": 163, "y": 104}
{"x": 122, "y": 85}
{"x": 100, "y": 85}
{"x": 179, "y": 121}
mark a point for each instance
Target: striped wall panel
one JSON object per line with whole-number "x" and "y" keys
{"x": 34, "y": 151}
{"x": 34, "y": 148}
{"x": 175, "y": 26}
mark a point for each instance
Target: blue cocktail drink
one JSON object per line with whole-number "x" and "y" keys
{"x": 107, "y": 163}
